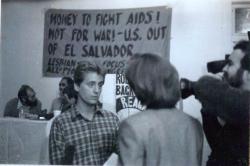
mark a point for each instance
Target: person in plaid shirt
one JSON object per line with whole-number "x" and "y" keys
{"x": 85, "y": 134}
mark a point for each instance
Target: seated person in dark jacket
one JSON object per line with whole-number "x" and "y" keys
{"x": 25, "y": 106}
{"x": 225, "y": 109}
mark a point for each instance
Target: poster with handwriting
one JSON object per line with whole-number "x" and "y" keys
{"x": 126, "y": 102}
{"x": 110, "y": 37}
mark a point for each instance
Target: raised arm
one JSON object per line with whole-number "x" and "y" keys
{"x": 222, "y": 100}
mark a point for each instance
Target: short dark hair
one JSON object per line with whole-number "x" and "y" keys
{"x": 22, "y": 92}
{"x": 244, "y": 46}
{"x": 84, "y": 67}
{"x": 154, "y": 80}
{"x": 70, "y": 81}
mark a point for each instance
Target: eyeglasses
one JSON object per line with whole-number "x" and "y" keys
{"x": 62, "y": 84}
{"x": 33, "y": 96}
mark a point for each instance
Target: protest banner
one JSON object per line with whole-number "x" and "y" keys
{"x": 109, "y": 37}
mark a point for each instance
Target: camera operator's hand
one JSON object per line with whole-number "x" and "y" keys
{"x": 206, "y": 87}
{"x": 221, "y": 121}
{"x": 218, "y": 96}
{"x": 218, "y": 76}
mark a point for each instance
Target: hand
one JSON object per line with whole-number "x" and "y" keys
{"x": 218, "y": 76}
{"x": 71, "y": 101}
{"x": 221, "y": 121}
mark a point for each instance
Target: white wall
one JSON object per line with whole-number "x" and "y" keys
{"x": 201, "y": 32}
{"x": 0, "y": 64}
{"x": 22, "y": 24}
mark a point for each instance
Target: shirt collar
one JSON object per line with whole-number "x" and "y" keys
{"x": 76, "y": 113}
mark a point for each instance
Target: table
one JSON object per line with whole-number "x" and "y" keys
{"x": 24, "y": 141}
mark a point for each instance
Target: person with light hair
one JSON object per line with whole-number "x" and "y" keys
{"x": 161, "y": 135}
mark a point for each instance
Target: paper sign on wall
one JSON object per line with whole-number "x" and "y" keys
{"x": 126, "y": 102}
{"x": 110, "y": 37}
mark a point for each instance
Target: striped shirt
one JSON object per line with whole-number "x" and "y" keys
{"x": 94, "y": 139}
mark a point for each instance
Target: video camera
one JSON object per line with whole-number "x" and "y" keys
{"x": 212, "y": 67}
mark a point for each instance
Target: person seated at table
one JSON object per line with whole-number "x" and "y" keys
{"x": 58, "y": 103}
{"x": 162, "y": 134}
{"x": 69, "y": 98}
{"x": 25, "y": 105}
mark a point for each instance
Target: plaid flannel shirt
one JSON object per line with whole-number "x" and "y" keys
{"x": 94, "y": 140}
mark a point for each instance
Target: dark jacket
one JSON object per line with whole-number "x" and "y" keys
{"x": 229, "y": 143}
{"x": 12, "y": 111}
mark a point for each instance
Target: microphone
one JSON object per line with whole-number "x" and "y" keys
{"x": 69, "y": 155}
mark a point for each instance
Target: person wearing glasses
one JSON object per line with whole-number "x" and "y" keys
{"x": 25, "y": 105}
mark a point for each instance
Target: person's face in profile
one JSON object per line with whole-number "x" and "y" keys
{"x": 31, "y": 98}
{"x": 62, "y": 85}
{"x": 232, "y": 71}
{"x": 90, "y": 88}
